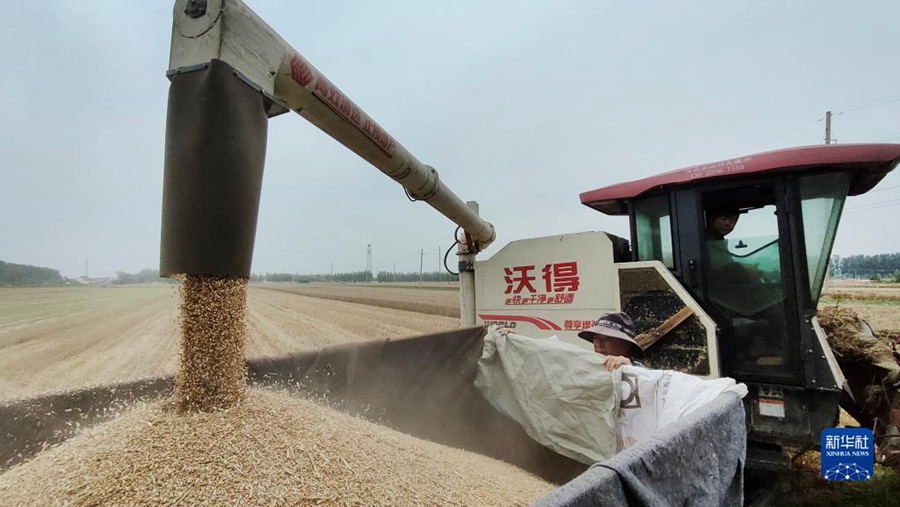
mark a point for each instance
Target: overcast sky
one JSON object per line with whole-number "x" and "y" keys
{"x": 519, "y": 105}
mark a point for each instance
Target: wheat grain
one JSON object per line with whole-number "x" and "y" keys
{"x": 256, "y": 454}
{"x": 211, "y": 372}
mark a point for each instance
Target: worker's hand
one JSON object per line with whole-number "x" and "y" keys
{"x": 613, "y": 362}
{"x": 504, "y": 331}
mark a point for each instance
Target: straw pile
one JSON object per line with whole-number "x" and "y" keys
{"x": 851, "y": 345}
{"x": 271, "y": 449}
{"x": 872, "y": 373}
{"x": 211, "y": 374}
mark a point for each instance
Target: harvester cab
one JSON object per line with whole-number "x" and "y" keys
{"x": 716, "y": 302}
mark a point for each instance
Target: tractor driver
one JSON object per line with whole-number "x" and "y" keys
{"x": 720, "y": 222}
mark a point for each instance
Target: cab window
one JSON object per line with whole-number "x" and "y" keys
{"x": 822, "y": 197}
{"x": 653, "y": 225}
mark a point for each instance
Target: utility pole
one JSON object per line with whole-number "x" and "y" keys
{"x": 369, "y": 261}
{"x": 439, "y": 264}
{"x": 421, "y": 265}
{"x": 827, "y": 127}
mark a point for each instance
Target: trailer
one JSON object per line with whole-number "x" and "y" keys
{"x": 423, "y": 386}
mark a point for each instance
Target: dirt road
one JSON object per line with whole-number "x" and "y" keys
{"x": 52, "y": 339}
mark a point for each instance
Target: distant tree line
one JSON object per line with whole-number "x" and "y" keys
{"x": 141, "y": 277}
{"x": 354, "y": 277}
{"x": 19, "y": 275}
{"x": 24, "y": 275}
{"x": 874, "y": 267}
{"x": 413, "y": 276}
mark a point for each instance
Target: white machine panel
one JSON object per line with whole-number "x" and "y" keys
{"x": 555, "y": 285}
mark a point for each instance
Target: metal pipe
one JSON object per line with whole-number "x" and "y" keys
{"x": 308, "y": 92}
{"x": 229, "y": 31}
{"x": 467, "y": 313}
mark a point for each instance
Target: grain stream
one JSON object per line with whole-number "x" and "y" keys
{"x": 211, "y": 372}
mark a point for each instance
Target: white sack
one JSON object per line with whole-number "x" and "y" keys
{"x": 652, "y": 399}
{"x": 561, "y": 394}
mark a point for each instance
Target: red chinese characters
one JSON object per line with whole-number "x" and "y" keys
{"x": 578, "y": 325}
{"x": 561, "y": 277}
{"x": 378, "y": 134}
{"x": 561, "y": 281}
{"x": 522, "y": 279}
{"x": 300, "y": 71}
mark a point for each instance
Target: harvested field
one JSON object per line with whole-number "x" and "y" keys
{"x": 434, "y": 300}
{"x": 862, "y": 292}
{"x": 61, "y": 338}
{"x": 881, "y": 317}
{"x": 53, "y": 339}
{"x": 876, "y": 303}
{"x": 307, "y": 455}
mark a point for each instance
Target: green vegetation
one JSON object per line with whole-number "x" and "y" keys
{"x": 880, "y": 491}
{"x": 24, "y": 275}
{"x": 352, "y": 277}
{"x": 879, "y": 267}
{"x": 143, "y": 276}
{"x": 432, "y": 276}
{"x": 451, "y": 286}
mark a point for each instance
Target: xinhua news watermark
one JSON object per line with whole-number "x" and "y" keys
{"x": 848, "y": 454}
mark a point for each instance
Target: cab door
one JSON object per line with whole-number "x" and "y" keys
{"x": 745, "y": 280}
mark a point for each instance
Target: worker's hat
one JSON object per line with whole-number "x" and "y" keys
{"x": 614, "y": 325}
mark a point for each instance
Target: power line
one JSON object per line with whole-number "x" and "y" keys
{"x": 875, "y": 205}
{"x": 882, "y": 189}
{"x": 854, "y": 210}
{"x": 870, "y": 106}
{"x": 853, "y": 110}
{"x": 810, "y": 124}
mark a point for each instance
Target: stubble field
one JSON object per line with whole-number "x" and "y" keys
{"x": 64, "y": 338}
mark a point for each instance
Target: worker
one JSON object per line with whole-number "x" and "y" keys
{"x": 613, "y": 336}
{"x": 720, "y": 222}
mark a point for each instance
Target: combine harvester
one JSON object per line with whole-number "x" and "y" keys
{"x": 230, "y": 72}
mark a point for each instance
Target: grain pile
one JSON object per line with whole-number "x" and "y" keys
{"x": 271, "y": 449}
{"x": 211, "y": 373}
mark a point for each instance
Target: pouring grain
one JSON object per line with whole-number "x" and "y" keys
{"x": 211, "y": 372}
